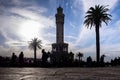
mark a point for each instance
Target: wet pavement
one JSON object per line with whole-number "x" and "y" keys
{"x": 60, "y": 73}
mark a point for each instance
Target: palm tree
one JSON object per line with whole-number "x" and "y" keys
{"x": 35, "y": 44}
{"x": 80, "y": 55}
{"x": 94, "y": 17}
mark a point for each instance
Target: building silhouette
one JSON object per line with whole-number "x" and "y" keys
{"x": 59, "y": 49}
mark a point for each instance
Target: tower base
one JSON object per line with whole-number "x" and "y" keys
{"x": 59, "y": 54}
{"x": 60, "y": 47}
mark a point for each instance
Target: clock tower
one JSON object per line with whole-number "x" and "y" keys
{"x": 59, "y": 49}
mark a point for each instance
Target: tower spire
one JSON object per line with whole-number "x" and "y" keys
{"x": 59, "y": 2}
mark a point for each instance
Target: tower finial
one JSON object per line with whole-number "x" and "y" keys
{"x": 59, "y": 3}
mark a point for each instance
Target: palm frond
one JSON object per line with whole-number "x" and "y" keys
{"x": 97, "y": 15}
{"x": 35, "y": 43}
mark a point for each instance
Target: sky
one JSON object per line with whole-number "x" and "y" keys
{"x": 23, "y": 20}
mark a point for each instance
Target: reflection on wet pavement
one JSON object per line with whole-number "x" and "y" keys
{"x": 59, "y": 74}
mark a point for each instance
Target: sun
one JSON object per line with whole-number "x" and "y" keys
{"x": 30, "y": 29}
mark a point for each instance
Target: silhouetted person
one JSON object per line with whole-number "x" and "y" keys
{"x": 14, "y": 59}
{"x": 118, "y": 60}
{"x": 115, "y": 62}
{"x": 102, "y": 60}
{"x": 71, "y": 57}
{"x": 44, "y": 57}
{"x": 21, "y": 59}
{"x": 89, "y": 61}
{"x": 2, "y": 62}
{"x": 48, "y": 54}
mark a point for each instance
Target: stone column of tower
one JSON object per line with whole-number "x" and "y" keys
{"x": 59, "y": 25}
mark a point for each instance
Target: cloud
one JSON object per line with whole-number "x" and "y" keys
{"x": 86, "y": 36}
{"x": 24, "y": 15}
{"x": 13, "y": 16}
{"x": 8, "y": 51}
{"x": 91, "y": 3}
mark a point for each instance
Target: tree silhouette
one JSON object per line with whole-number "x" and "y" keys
{"x": 80, "y": 55}
{"x": 94, "y": 17}
{"x": 35, "y": 44}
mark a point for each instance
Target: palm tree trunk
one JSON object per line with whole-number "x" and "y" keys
{"x": 97, "y": 44}
{"x": 35, "y": 55}
{"x": 79, "y": 59}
